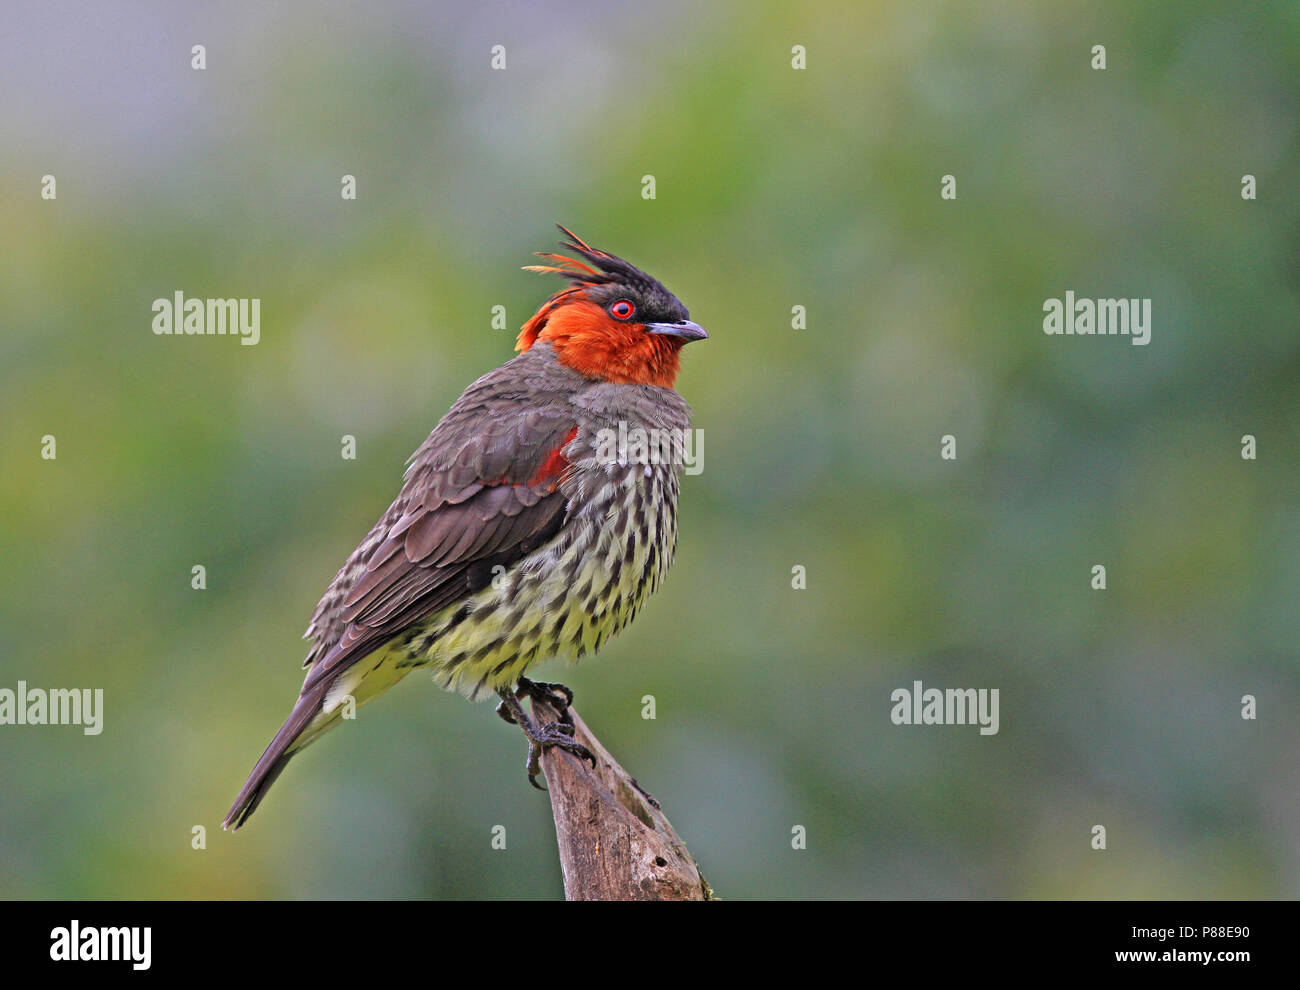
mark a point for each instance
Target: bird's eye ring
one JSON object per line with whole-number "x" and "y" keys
{"x": 622, "y": 310}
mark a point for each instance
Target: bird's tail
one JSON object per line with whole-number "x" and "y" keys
{"x": 286, "y": 743}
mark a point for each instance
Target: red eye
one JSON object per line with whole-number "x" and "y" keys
{"x": 622, "y": 310}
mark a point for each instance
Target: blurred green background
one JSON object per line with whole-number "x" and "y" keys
{"x": 775, "y": 188}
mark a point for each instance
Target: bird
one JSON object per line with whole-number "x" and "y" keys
{"x": 521, "y": 532}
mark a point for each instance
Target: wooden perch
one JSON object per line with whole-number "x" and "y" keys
{"x": 615, "y": 843}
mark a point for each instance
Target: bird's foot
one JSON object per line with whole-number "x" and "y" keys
{"x": 540, "y": 737}
{"x": 557, "y": 696}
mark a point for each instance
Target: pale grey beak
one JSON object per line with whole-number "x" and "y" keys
{"x": 684, "y": 329}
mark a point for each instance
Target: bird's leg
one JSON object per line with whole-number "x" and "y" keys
{"x": 504, "y": 712}
{"x": 513, "y": 712}
{"x": 559, "y": 697}
{"x": 539, "y": 737}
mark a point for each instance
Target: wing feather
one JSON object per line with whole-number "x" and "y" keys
{"x": 445, "y": 534}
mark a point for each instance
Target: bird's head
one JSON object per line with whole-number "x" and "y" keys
{"x": 613, "y": 321}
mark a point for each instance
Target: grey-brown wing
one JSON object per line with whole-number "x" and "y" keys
{"x": 495, "y": 499}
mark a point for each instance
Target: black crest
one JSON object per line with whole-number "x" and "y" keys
{"x": 599, "y": 269}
